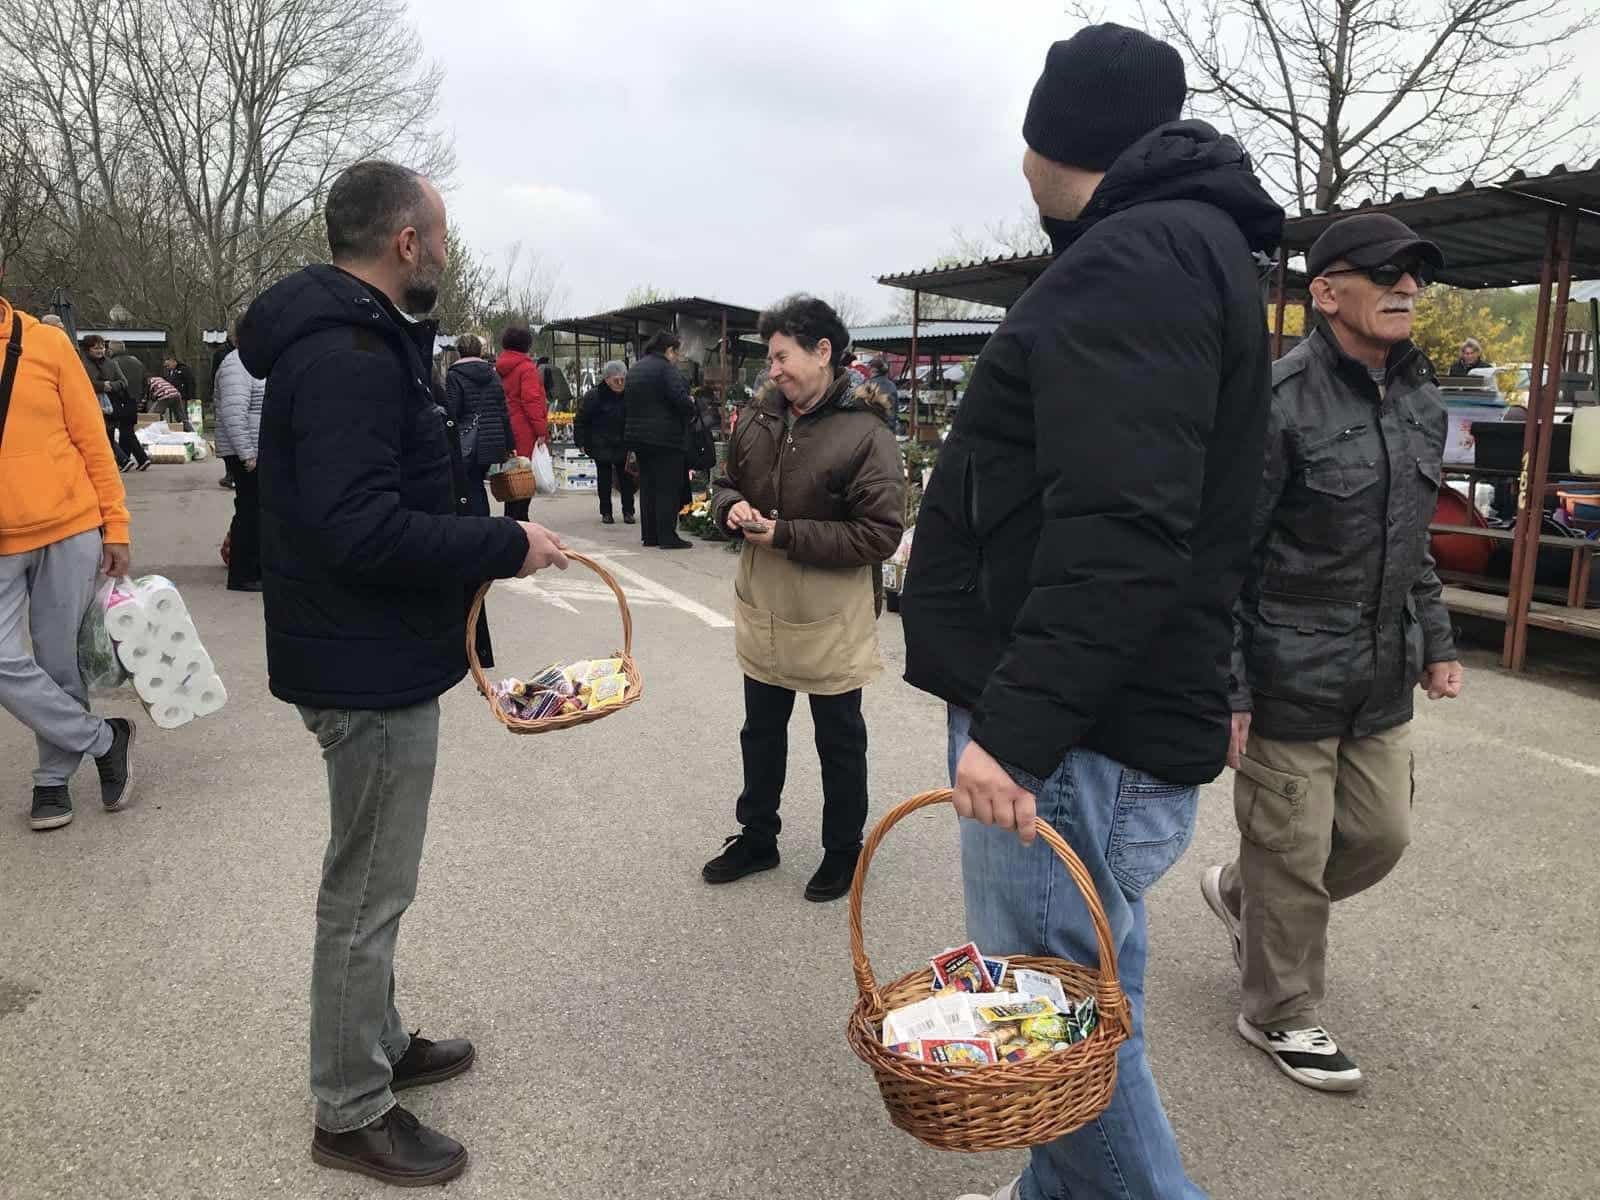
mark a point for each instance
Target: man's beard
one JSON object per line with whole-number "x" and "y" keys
{"x": 420, "y": 297}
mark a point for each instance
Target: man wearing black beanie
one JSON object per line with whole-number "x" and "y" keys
{"x": 1082, "y": 542}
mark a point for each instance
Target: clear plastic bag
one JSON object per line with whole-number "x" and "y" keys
{"x": 544, "y": 470}
{"x": 98, "y": 663}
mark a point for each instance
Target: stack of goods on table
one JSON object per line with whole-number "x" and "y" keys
{"x": 140, "y": 630}
{"x": 982, "y": 1012}
{"x": 559, "y": 691}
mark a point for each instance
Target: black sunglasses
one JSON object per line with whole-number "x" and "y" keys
{"x": 1390, "y": 273}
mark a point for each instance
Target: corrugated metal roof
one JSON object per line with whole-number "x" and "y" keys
{"x": 1492, "y": 236}
{"x": 999, "y": 281}
{"x": 926, "y": 331}
{"x": 622, "y": 324}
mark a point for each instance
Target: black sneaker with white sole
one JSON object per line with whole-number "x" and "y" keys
{"x": 52, "y": 807}
{"x": 1307, "y": 1056}
{"x": 116, "y": 765}
{"x": 1211, "y": 889}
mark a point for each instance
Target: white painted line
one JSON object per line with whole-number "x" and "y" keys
{"x": 538, "y": 592}
{"x": 663, "y": 593}
{"x": 1560, "y": 760}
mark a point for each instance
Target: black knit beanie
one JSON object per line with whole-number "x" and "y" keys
{"x": 1102, "y": 89}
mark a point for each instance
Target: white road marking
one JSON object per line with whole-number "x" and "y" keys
{"x": 660, "y": 592}
{"x": 1560, "y": 760}
{"x": 539, "y": 592}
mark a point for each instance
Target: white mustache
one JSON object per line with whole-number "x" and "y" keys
{"x": 1399, "y": 306}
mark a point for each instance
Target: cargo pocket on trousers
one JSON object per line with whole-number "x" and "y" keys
{"x": 1150, "y": 829}
{"x": 1267, "y": 804}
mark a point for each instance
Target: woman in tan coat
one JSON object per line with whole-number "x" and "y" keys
{"x": 815, "y": 487}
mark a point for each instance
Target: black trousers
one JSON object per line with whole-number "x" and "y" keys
{"x": 117, "y": 452}
{"x": 662, "y": 474}
{"x": 841, "y": 745}
{"x": 127, "y": 421}
{"x": 517, "y": 510}
{"x": 606, "y": 473}
{"x": 244, "y": 555}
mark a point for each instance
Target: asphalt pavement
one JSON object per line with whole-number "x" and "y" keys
{"x": 642, "y": 1035}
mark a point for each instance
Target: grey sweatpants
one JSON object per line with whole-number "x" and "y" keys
{"x": 41, "y": 687}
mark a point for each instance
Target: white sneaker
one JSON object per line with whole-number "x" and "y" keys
{"x": 1211, "y": 889}
{"x": 1307, "y": 1056}
{"x": 1009, "y": 1192}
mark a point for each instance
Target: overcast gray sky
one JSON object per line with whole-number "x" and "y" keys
{"x": 738, "y": 150}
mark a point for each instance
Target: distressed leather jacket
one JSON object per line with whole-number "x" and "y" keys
{"x": 1341, "y": 609}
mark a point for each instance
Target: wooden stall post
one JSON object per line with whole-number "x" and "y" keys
{"x": 1530, "y": 515}
{"x": 916, "y": 322}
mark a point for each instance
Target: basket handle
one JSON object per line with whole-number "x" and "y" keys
{"x": 1108, "y": 995}
{"x": 606, "y": 577}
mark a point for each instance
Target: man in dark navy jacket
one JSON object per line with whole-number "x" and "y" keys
{"x": 367, "y": 548}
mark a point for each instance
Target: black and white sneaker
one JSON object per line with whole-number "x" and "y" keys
{"x": 1307, "y": 1056}
{"x": 52, "y": 807}
{"x": 1211, "y": 889}
{"x": 115, "y": 766}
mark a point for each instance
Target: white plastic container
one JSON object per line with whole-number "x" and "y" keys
{"x": 1586, "y": 441}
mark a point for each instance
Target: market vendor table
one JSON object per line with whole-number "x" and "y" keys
{"x": 1582, "y": 551}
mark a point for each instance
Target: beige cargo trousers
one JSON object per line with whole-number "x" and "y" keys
{"x": 1319, "y": 821}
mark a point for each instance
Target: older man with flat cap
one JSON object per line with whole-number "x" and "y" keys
{"x": 1340, "y": 619}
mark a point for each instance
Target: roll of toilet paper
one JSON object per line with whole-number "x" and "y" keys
{"x": 169, "y": 714}
{"x": 159, "y": 597}
{"x": 177, "y": 638}
{"x": 139, "y": 652}
{"x": 158, "y": 682}
{"x": 203, "y": 694}
{"x": 193, "y": 662}
{"x": 125, "y": 611}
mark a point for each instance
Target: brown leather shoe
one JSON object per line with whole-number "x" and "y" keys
{"x": 396, "y": 1148}
{"x": 429, "y": 1062}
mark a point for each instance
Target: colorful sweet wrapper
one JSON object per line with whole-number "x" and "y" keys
{"x": 960, "y": 1052}
{"x": 1022, "y": 1009}
{"x": 962, "y": 968}
{"x": 949, "y": 1015}
{"x": 553, "y": 679}
{"x": 907, "y": 1049}
{"x": 1037, "y": 983}
{"x": 589, "y": 670}
{"x": 605, "y": 692}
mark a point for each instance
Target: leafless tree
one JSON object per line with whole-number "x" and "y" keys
{"x": 851, "y": 309}
{"x": 1334, "y": 97}
{"x": 528, "y": 287}
{"x": 644, "y": 293}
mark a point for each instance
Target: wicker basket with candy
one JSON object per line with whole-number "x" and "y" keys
{"x": 560, "y": 697}
{"x": 979, "y": 1053}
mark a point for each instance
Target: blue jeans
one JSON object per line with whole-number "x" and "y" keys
{"x": 1129, "y": 829}
{"x": 380, "y": 778}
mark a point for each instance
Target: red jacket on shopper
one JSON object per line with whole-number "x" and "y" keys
{"x": 525, "y": 399}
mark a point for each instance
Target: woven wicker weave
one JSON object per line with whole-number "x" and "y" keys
{"x": 515, "y": 484}
{"x": 630, "y": 669}
{"x": 1006, "y": 1106}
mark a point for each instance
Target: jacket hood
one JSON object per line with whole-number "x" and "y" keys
{"x": 868, "y": 397}
{"x": 474, "y": 369}
{"x": 311, "y": 300}
{"x": 511, "y": 360}
{"x": 1186, "y": 160}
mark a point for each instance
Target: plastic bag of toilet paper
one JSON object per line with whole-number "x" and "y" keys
{"x": 158, "y": 648}
{"x": 98, "y": 663}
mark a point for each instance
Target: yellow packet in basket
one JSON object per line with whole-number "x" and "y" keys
{"x": 605, "y": 692}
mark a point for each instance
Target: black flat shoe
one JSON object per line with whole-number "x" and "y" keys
{"x": 834, "y": 876}
{"x": 627, "y": 518}
{"x": 429, "y": 1062}
{"x": 252, "y": 585}
{"x": 396, "y": 1148}
{"x": 608, "y": 520}
{"x": 741, "y": 855}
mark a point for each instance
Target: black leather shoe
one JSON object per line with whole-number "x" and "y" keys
{"x": 627, "y": 518}
{"x": 834, "y": 876}
{"x": 677, "y": 544}
{"x": 249, "y": 585}
{"x": 429, "y": 1062}
{"x": 396, "y": 1148}
{"x": 607, "y": 519}
{"x": 741, "y": 855}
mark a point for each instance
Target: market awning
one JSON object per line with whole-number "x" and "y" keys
{"x": 951, "y": 338}
{"x": 1492, "y": 236}
{"x": 998, "y": 281}
{"x": 625, "y": 324}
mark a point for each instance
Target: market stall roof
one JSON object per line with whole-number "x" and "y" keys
{"x": 622, "y": 324}
{"x": 998, "y": 281}
{"x": 1492, "y": 236}
{"x": 944, "y": 337}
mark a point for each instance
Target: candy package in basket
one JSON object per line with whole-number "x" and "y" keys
{"x": 558, "y": 690}
{"x": 981, "y": 1011}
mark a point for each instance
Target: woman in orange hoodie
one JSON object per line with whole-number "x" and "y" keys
{"x": 62, "y": 519}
